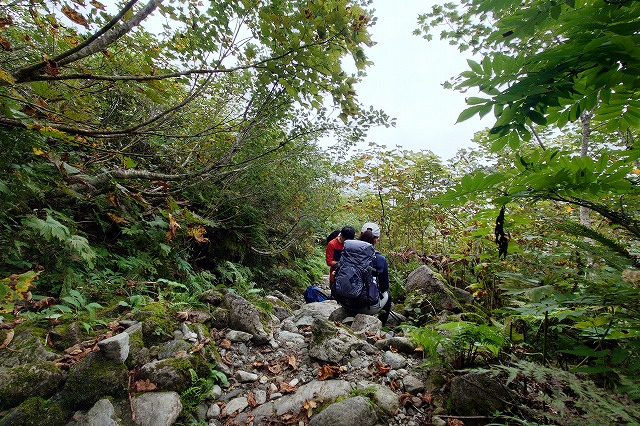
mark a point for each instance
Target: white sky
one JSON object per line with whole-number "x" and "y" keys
{"x": 406, "y": 82}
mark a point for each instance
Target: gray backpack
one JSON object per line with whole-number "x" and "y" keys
{"x": 355, "y": 285}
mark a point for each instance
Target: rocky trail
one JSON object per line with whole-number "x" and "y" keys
{"x": 234, "y": 364}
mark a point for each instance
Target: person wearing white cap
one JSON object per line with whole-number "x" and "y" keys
{"x": 370, "y": 233}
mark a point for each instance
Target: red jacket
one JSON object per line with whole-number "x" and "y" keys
{"x": 334, "y": 250}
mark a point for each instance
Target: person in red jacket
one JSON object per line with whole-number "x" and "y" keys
{"x": 334, "y": 250}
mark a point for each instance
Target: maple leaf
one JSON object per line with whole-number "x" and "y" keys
{"x": 381, "y": 369}
{"x": 75, "y": 16}
{"x": 198, "y": 233}
{"x": 309, "y": 406}
{"x": 328, "y": 371}
{"x": 286, "y": 387}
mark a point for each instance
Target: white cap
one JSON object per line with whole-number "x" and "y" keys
{"x": 370, "y": 226}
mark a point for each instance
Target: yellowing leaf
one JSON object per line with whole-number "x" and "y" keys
{"x": 569, "y": 209}
{"x": 117, "y": 219}
{"x": 173, "y": 228}
{"x": 198, "y": 233}
{"x": 39, "y": 152}
{"x": 97, "y": 4}
{"x": 6, "y": 77}
{"x": 75, "y": 16}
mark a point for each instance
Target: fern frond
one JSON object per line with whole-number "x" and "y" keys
{"x": 579, "y": 230}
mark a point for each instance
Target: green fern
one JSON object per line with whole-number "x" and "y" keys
{"x": 579, "y": 230}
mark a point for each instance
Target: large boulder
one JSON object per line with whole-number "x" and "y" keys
{"x": 423, "y": 282}
{"x": 243, "y": 316}
{"x": 478, "y": 394}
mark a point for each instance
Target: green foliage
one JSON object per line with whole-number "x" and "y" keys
{"x": 569, "y": 397}
{"x": 545, "y": 62}
{"x": 75, "y": 307}
{"x": 458, "y": 344}
{"x": 199, "y": 390}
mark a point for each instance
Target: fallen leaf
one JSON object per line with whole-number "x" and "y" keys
{"x": 427, "y": 398}
{"x": 405, "y": 399}
{"x": 7, "y": 339}
{"x": 455, "y": 422}
{"x": 309, "y": 406}
{"x": 225, "y": 344}
{"x": 286, "y": 387}
{"x": 252, "y": 400}
{"x": 394, "y": 385}
{"x": 275, "y": 368}
{"x": 173, "y": 228}
{"x": 4, "y": 43}
{"x": 291, "y": 360}
{"x": 394, "y": 350}
{"x": 328, "y": 371}
{"x": 183, "y": 315}
{"x": 144, "y": 386}
{"x": 381, "y": 369}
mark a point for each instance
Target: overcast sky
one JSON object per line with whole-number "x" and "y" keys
{"x": 406, "y": 82}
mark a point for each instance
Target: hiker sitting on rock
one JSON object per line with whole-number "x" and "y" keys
{"x": 334, "y": 250}
{"x": 361, "y": 283}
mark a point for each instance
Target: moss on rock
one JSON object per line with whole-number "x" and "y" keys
{"x": 23, "y": 381}
{"x": 94, "y": 378}
{"x": 157, "y": 321}
{"x": 36, "y": 411}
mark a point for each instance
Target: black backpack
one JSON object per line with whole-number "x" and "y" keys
{"x": 355, "y": 285}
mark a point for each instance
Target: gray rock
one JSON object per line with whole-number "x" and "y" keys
{"x": 101, "y": 414}
{"x": 171, "y": 374}
{"x": 25, "y": 348}
{"x": 356, "y": 411}
{"x": 245, "y": 377}
{"x": 478, "y": 394}
{"x": 187, "y": 334}
{"x": 311, "y": 312}
{"x": 394, "y": 360}
{"x": 384, "y": 398}
{"x": 92, "y": 379}
{"x": 238, "y": 336}
{"x": 236, "y": 405}
{"x": 115, "y": 348}
{"x": 425, "y": 282}
{"x": 156, "y": 408}
{"x": 366, "y": 324}
{"x": 173, "y": 348}
{"x": 214, "y": 411}
{"x": 244, "y": 316}
{"x": 412, "y": 384}
{"x": 402, "y": 344}
{"x": 291, "y": 340}
{"x": 321, "y": 391}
